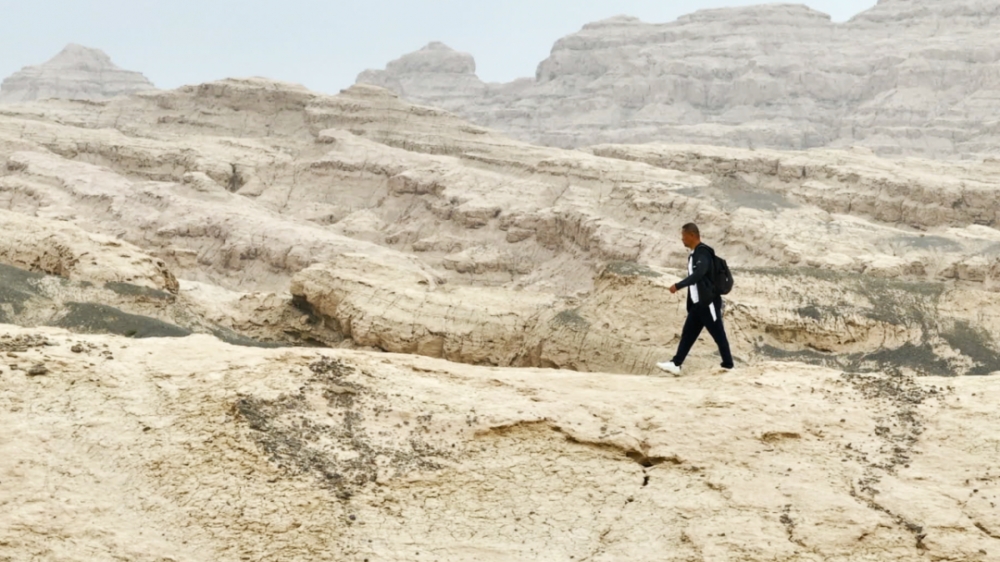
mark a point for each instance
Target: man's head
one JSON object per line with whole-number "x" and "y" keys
{"x": 690, "y": 235}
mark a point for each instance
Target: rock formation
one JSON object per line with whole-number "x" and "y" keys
{"x": 192, "y": 450}
{"x": 237, "y": 198}
{"x": 907, "y": 77}
{"x": 59, "y": 248}
{"x": 861, "y": 324}
{"x": 77, "y": 72}
{"x": 140, "y": 231}
{"x": 434, "y": 72}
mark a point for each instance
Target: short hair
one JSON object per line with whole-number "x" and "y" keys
{"x": 691, "y": 228}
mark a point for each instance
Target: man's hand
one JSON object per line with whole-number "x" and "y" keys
{"x": 673, "y": 289}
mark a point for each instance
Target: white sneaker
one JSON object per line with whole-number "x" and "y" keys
{"x": 669, "y": 367}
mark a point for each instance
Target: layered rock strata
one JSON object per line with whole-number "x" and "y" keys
{"x": 906, "y": 77}
{"x": 77, "y": 72}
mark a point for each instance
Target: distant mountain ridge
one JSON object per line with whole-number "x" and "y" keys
{"x": 77, "y": 72}
{"x": 907, "y": 77}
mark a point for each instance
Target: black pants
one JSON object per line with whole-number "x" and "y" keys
{"x": 700, "y": 317}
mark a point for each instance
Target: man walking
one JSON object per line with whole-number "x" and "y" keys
{"x": 704, "y": 306}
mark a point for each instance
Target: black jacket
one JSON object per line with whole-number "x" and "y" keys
{"x": 701, "y": 259}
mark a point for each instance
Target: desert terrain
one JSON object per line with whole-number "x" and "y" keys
{"x": 242, "y": 320}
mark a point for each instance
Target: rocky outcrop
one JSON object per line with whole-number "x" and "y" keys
{"x": 914, "y": 193}
{"x": 77, "y": 72}
{"x": 60, "y": 248}
{"x": 435, "y": 72}
{"x": 377, "y": 305}
{"x": 226, "y": 193}
{"x": 188, "y": 449}
{"x": 630, "y": 321}
{"x": 178, "y": 222}
{"x": 30, "y": 298}
{"x": 906, "y": 77}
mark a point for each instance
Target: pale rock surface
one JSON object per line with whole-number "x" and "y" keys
{"x": 263, "y": 317}
{"x": 360, "y": 220}
{"x": 377, "y": 305}
{"x": 186, "y": 224}
{"x": 918, "y": 193}
{"x": 630, "y": 321}
{"x": 191, "y": 450}
{"x": 35, "y": 299}
{"x": 77, "y": 72}
{"x": 436, "y": 71}
{"x": 207, "y": 180}
{"x": 906, "y": 77}
{"x": 60, "y": 248}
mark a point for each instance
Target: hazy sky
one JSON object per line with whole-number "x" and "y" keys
{"x": 323, "y": 44}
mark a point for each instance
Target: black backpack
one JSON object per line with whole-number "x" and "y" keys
{"x": 722, "y": 278}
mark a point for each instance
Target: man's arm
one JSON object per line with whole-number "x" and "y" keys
{"x": 700, "y": 267}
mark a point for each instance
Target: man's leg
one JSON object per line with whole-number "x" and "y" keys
{"x": 718, "y": 331}
{"x": 692, "y": 329}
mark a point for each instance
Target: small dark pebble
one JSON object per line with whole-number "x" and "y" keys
{"x": 37, "y": 370}
{"x": 77, "y": 348}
